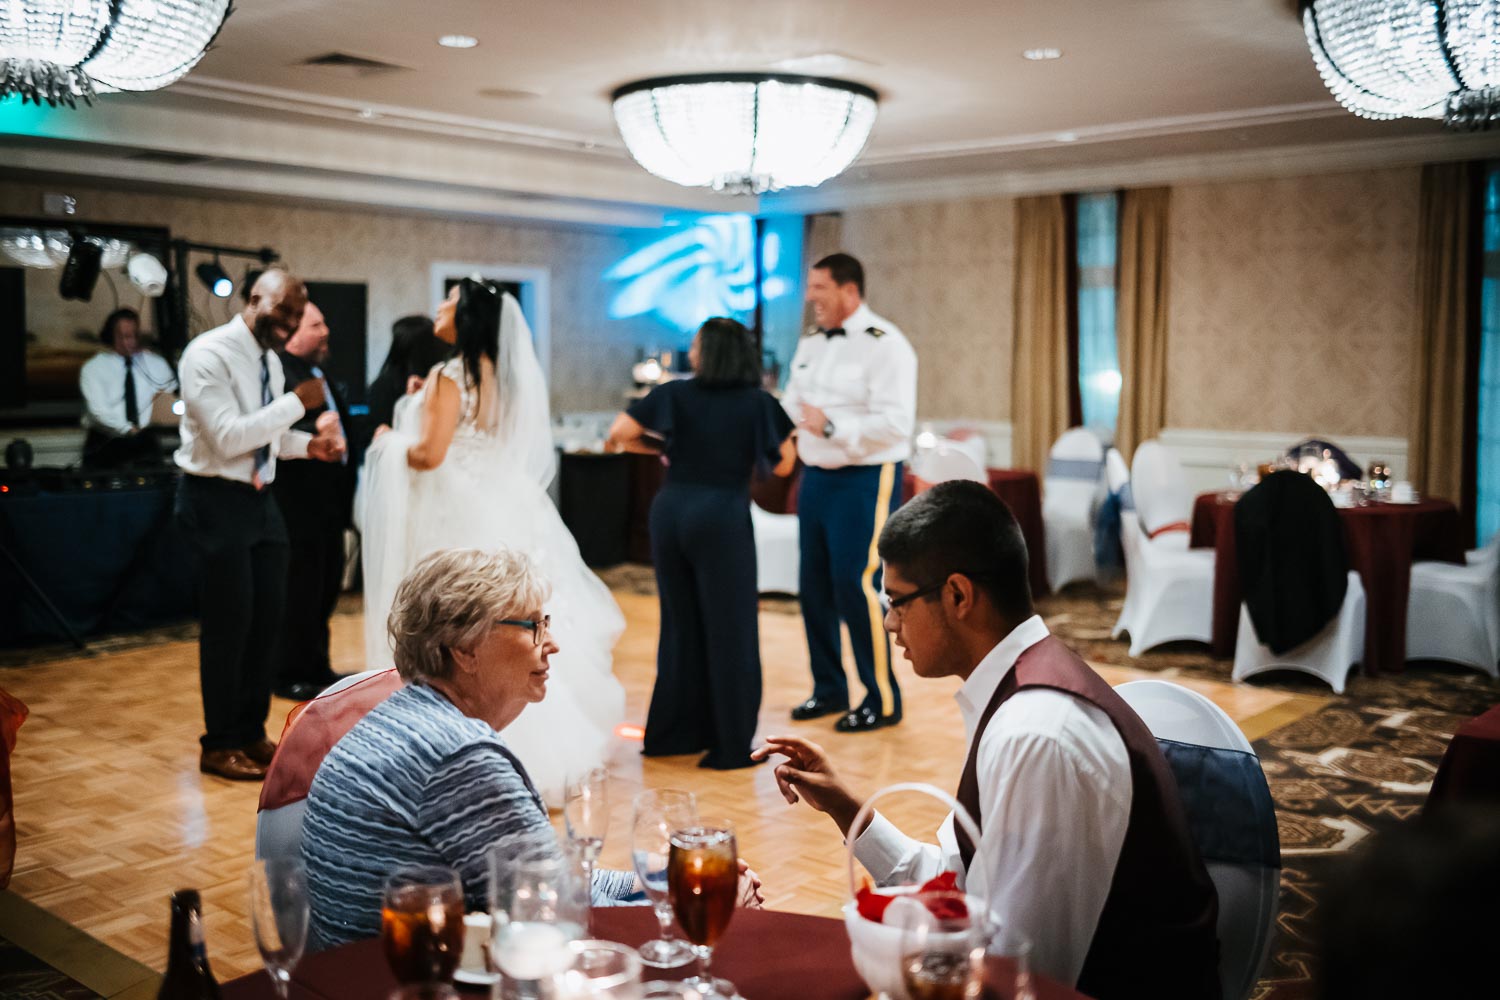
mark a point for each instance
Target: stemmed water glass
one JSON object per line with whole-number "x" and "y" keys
{"x": 539, "y": 905}
{"x": 657, "y": 814}
{"x": 943, "y": 945}
{"x": 279, "y": 914}
{"x": 422, "y": 923}
{"x": 586, "y": 815}
{"x": 703, "y": 884}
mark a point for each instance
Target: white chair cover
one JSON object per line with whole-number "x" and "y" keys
{"x": 1327, "y": 655}
{"x": 1168, "y": 590}
{"x": 1071, "y": 490}
{"x": 1160, "y": 489}
{"x": 1248, "y": 892}
{"x": 1116, "y": 472}
{"x": 1453, "y": 613}
{"x": 778, "y": 557}
{"x": 278, "y": 832}
{"x": 948, "y": 461}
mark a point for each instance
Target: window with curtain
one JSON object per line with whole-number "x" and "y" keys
{"x": 1487, "y": 459}
{"x": 1098, "y": 243}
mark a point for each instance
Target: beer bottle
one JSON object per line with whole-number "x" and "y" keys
{"x": 188, "y": 976}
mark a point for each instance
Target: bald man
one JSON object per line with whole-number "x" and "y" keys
{"x": 315, "y": 500}
{"x": 237, "y": 422}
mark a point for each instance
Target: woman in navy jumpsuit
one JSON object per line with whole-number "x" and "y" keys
{"x": 717, "y": 430}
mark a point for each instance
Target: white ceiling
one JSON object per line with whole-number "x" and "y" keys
{"x": 1139, "y": 80}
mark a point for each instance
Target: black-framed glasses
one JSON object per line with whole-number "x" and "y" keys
{"x": 889, "y": 603}
{"x": 538, "y": 626}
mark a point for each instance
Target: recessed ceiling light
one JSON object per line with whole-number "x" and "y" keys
{"x": 1066, "y": 137}
{"x": 458, "y": 41}
{"x": 1041, "y": 55}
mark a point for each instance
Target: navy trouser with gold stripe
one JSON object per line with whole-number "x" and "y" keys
{"x": 840, "y": 513}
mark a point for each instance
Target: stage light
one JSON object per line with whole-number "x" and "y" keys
{"x": 81, "y": 272}
{"x": 215, "y": 279}
{"x": 147, "y": 274}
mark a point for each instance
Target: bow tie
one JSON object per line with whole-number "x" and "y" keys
{"x": 837, "y": 331}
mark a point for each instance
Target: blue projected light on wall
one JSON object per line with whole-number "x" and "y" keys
{"x": 17, "y": 118}
{"x": 705, "y": 269}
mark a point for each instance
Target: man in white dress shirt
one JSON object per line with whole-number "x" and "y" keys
{"x": 236, "y": 425}
{"x": 1084, "y": 848}
{"x": 118, "y": 386}
{"x": 853, "y": 395}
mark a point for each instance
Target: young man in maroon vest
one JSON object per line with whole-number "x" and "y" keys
{"x": 1084, "y": 848}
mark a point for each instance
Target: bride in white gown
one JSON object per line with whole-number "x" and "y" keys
{"x": 467, "y": 464}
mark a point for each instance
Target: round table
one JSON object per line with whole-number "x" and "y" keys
{"x": 1382, "y": 540}
{"x": 1470, "y": 771}
{"x": 1022, "y": 492}
{"x": 768, "y": 955}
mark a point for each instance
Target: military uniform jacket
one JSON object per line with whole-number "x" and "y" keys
{"x": 865, "y": 379}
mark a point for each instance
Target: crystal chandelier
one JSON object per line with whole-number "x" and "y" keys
{"x": 49, "y": 248}
{"x": 64, "y": 51}
{"x": 745, "y": 133}
{"x": 1410, "y": 58}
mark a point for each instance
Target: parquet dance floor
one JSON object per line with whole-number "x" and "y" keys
{"x": 113, "y": 814}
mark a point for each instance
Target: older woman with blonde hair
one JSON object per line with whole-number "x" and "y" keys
{"x": 426, "y": 777}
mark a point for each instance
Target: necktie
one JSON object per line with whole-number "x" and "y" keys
{"x": 837, "y": 331}
{"x": 333, "y": 407}
{"x": 132, "y": 409}
{"x": 263, "y": 453}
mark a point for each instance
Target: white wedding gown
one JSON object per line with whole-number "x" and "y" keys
{"x": 490, "y": 491}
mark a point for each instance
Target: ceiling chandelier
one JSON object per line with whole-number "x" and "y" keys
{"x": 50, "y": 248}
{"x": 745, "y": 133}
{"x": 66, "y": 51}
{"x": 1410, "y": 58}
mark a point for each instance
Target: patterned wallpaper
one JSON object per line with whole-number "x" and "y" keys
{"x": 392, "y": 252}
{"x": 941, "y": 271}
{"x": 1293, "y": 304}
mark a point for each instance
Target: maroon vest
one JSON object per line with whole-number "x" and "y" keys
{"x": 1157, "y": 934}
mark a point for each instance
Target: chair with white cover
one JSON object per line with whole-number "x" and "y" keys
{"x": 1230, "y": 814}
{"x": 1168, "y": 588}
{"x": 278, "y": 830}
{"x": 1453, "y": 613}
{"x": 945, "y": 462}
{"x": 1162, "y": 496}
{"x": 1074, "y": 467}
{"x": 778, "y": 557}
{"x": 1329, "y": 655}
{"x": 1116, "y": 472}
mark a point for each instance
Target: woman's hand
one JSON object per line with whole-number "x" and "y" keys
{"x": 413, "y": 384}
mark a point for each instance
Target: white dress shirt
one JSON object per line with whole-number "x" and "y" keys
{"x": 1054, "y": 794}
{"x": 102, "y": 381}
{"x": 224, "y": 422}
{"x": 867, "y": 384}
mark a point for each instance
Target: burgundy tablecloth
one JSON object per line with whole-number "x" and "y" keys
{"x": 1383, "y": 541}
{"x": 768, "y": 955}
{"x": 1022, "y": 492}
{"x": 1470, "y": 771}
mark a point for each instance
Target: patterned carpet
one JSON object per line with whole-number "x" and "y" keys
{"x": 23, "y": 976}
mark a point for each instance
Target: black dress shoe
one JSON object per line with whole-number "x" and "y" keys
{"x": 814, "y": 708}
{"x": 865, "y": 718}
{"x": 300, "y": 691}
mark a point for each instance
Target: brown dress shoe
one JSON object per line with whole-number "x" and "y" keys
{"x": 261, "y": 751}
{"x": 231, "y": 764}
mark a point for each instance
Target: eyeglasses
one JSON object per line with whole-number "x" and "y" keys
{"x": 537, "y": 626}
{"x": 889, "y": 603}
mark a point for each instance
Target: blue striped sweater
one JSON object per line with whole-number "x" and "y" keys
{"x": 417, "y": 782}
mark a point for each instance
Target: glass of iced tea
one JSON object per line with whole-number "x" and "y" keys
{"x": 422, "y": 923}
{"x": 703, "y": 883}
{"x": 942, "y": 946}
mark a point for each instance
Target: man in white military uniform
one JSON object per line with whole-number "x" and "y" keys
{"x": 853, "y": 394}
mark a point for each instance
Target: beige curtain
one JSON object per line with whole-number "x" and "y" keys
{"x": 1141, "y": 319}
{"x": 823, "y": 235}
{"x": 1444, "y": 265}
{"x": 1039, "y": 377}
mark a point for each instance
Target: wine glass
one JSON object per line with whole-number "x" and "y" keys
{"x": 942, "y": 946}
{"x": 703, "y": 883}
{"x": 599, "y": 970}
{"x": 586, "y": 815}
{"x": 540, "y": 905}
{"x": 278, "y": 912}
{"x": 422, "y": 923}
{"x": 657, "y": 814}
